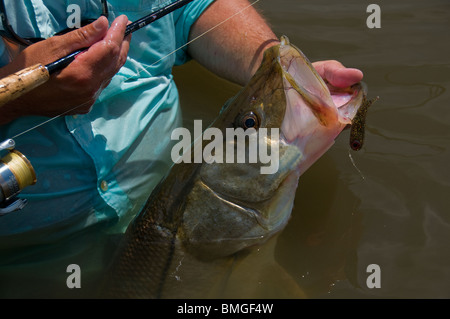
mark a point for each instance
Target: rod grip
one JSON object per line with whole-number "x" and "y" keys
{"x": 21, "y": 82}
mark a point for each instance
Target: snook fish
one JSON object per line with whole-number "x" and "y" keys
{"x": 203, "y": 217}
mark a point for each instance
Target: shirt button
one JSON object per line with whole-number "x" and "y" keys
{"x": 104, "y": 186}
{"x": 75, "y": 116}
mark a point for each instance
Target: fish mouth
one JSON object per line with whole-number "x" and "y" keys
{"x": 316, "y": 112}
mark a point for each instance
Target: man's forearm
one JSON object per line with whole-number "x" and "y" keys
{"x": 234, "y": 50}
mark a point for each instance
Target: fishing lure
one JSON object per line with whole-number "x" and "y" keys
{"x": 359, "y": 124}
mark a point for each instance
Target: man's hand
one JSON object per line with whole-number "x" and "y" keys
{"x": 74, "y": 89}
{"x": 337, "y": 74}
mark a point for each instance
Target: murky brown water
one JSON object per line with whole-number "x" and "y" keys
{"x": 392, "y": 208}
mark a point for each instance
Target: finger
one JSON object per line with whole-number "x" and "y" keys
{"x": 105, "y": 57}
{"x": 124, "y": 48}
{"x": 83, "y": 37}
{"x": 117, "y": 30}
{"x": 57, "y": 47}
{"x": 113, "y": 49}
{"x": 344, "y": 77}
{"x": 337, "y": 74}
{"x": 124, "y": 51}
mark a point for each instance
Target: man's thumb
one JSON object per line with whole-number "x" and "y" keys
{"x": 85, "y": 36}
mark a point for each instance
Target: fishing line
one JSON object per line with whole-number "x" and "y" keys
{"x": 151, "y": 65}
{"x": 354, "y": 165}
{"x": 45, "y": 122}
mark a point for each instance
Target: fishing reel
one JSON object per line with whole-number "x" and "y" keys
{"x": 16, "y": 173}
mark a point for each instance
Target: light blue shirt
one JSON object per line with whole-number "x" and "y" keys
{"x": 98, "y": 169}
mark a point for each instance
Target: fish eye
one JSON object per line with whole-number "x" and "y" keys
{"x": 250, "y": 120}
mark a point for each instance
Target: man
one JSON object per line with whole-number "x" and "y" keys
{"x": 97, "y": 165}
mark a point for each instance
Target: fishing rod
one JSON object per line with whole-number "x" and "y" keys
{"x": 16, "y": 171}
{"x": 23, "y": 81}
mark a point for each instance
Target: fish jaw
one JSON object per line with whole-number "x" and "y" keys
{"x": 316, "y": 112}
